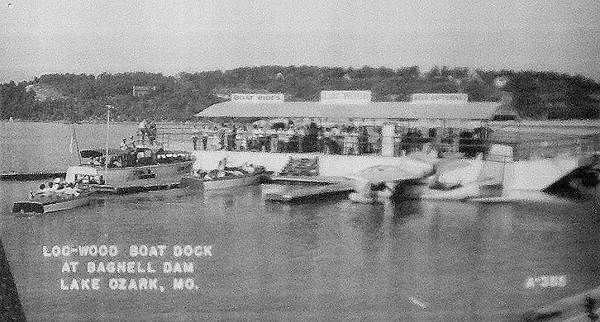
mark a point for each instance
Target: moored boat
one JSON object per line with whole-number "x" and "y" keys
{"x": 224, "y": 182}
{"x": 226, "y": 178}
{"x": 133, "y": 169}
{"x": 52, "y": 203}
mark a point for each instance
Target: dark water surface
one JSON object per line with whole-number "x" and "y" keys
{"x": 328, "y": 260}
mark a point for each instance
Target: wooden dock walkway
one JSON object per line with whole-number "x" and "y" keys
{"x": 310, "y": 179}
{"x": 15, "y": 176}
{"x": 308, "y": 193}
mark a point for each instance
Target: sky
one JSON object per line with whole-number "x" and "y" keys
{"x": 64, "y": 36}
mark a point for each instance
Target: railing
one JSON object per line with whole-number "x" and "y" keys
{"x": 360, "y": 145}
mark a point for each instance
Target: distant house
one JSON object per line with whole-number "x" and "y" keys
{"x": 44, "y": 92}
{"x": 139, "y": 91}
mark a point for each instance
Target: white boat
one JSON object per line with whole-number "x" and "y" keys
{"x": 224, "y": 182}
{"x": 376, "y": 183}
{"x": 472, "y": 190}
{"x": 131, "y": 170}
{"x": 54, "y": 203}
{"x": 496, "y": 178}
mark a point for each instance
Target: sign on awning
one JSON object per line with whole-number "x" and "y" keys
{"x": 258, "y": 98}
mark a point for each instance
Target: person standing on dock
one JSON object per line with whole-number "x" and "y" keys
{"x": 131, "y": 143}
{"x": 195, "y": 141}
{"x": 124, "y": 145}
{"x": 151, "y": 132}
{"x": 142, "y": 129}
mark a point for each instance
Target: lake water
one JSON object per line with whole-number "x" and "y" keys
{"x": 327, "y": 260}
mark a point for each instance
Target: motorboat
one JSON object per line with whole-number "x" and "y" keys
{"x": 227, "y": 177}
{"x": 42, "y": 204}
{"x": 132, "y": 169}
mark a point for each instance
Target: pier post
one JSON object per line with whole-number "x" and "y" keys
{"x": 387, "y": 140}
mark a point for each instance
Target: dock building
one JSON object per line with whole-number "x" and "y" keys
{"x": 426, "y": 118}
{"x": 345, "y": 131}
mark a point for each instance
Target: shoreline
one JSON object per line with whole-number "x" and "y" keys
{"x": 532, "y": 122}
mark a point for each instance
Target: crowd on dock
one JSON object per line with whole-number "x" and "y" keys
{"x": 147, "y": 130}
{"x": 334, "y": 139}
{"x": 287, "y": 137}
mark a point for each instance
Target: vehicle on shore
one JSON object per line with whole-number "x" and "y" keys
{"x": 132, "y": 169}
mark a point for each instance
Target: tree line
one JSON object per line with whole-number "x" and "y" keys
{"x": 536, "y": 95}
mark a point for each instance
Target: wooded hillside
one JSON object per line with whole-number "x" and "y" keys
{"x": 537, "y": 95}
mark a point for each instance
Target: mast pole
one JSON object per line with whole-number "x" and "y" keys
{"x": 106, "y": 157}
{"x": 76, "y": 143}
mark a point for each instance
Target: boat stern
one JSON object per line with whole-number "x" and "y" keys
{"x": 27, "y": 207}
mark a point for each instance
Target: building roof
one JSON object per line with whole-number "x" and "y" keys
{"x": 370, "y": 110}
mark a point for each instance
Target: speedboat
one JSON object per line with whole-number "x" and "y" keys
{"x": 132, "y": 169}
{"x": 42, "y": 204}
{"x": 228, "y": 177}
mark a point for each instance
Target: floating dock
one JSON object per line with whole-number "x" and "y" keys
{"x": 15, "y": 176}
{"x": 310, "y": 179}
{"x": 309, "y": 193}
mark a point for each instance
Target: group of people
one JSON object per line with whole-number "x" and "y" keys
{"x": 57, "y": 188}
{"x": 466, "y": 142}
{"x": 147, "y": 130}
{"x": 223, "y": 171}
{"x": 128, "y": 145}
{"x": 335, "y": 139}
{"x": 287, "y": 137}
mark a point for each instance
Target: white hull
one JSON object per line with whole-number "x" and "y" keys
{"x": 222, "y": 183}
{"x": 519, "y": 175}
{"x": 492, "y": 181}
{"x": 35, "y": 206}
{"x": 466, "y": 192}
{"x": 134, "y": 178}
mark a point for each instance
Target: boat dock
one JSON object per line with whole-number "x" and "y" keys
{"x": 326, "y": 186}
{"x": 310, "y": 179}
{"x": 16, "y": 176}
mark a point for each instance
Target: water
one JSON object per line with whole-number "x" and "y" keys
{"x": 48, "y": 146}
{"x": 327, "y": 260}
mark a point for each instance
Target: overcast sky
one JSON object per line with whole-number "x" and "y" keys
{"x": 47, "y": 36}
